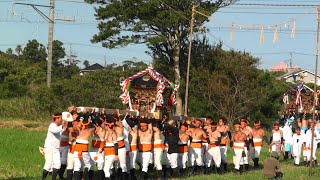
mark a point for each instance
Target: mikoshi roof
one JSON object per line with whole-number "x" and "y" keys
{"x": 148, "y": 77}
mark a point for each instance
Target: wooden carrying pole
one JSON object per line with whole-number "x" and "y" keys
{"x": 315, "y": 91}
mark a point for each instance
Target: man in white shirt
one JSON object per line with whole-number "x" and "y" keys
{"x": 51, "y": 147}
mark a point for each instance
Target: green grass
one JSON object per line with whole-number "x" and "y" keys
{"x": 20, "y": 159}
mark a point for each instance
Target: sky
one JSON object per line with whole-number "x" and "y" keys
{"x": 19, "y": 23}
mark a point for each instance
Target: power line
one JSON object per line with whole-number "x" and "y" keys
{"x": 71, "y": 1}
{"x": 252, "y": 12}
{"x": 275, "y": 53}
{"x": 277, "y": 5}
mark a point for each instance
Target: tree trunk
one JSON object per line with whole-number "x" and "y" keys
{"x": 176, "y": 53}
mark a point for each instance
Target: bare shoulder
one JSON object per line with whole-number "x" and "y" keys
{"x": 227, "y": 127}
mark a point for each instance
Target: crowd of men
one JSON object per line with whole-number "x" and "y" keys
{"x": 127, "y": 147}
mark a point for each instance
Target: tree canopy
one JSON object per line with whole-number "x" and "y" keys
{"x": 163, "y": 25}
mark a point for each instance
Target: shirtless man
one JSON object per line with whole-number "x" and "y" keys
{"x": 74, "y": 130}
{"x": 183, "y": 147}
{"x": 195, "y": 150}
{"x": 157, "y": 147}
{"x": 145, "y": 134}
{"x": 133, "y": 136}
{"x": 110, "y": 147}
{"x": 238, "y": 143}
{"x": 225, "y": 132}
{"x": 214, "y": 150}
{"x": 258, "y": 137}
{"x": 248, "y": 131}
{"x": 97, "y": 144}
{"x": 81, "y": 152}
{"x": 205, "y": 143}
{"x": 276, "y": 139}
{"x": 121, "y": 145}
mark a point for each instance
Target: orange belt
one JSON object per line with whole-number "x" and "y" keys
{"x": 213, "y": 145}
{"x": 64, "y": 143}
{"x": 156, "y": 146}
{"x": 121, "y": 144}
{"x": 238, "y": 147}
{"x": 97, "y": 144}
{"x": 258, "y": 143}
{"x": 196, "y": 144}
{"x": 81, "y": 148}
{"x": 144, "y": 147}
{"x": 183, "y": 148}
{"x": 224, "y": 141}
{"x": 72, "y": 148}
{"x": 109, "y": 150}
{"x": 133, "y": 148}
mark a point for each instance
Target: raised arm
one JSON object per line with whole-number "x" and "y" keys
{"x": 55, "y": 129}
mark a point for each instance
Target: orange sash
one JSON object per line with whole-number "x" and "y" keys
{"x": 133, "y": 148}
{"x": 156, "y": 146}
{"x": 72, "y": 148}
{"x": 109, "y": 150}
{"x": 213, "y": 145}
{"x": 238, "y": 147}
{"x": 196, "y": 144}
{"x": 97, "y": 144}
{"x": 224, "y": 141}
{"x": 183, "y": 148}
{"x": 81, "y": 148}
{"x": 121, "y": 144}
{"x": 257, "y": 143}
{"x": 144, "y": 147}
{"x": 64, "y": 143}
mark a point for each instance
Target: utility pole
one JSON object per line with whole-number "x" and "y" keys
{"x": 50, "y": 43}
{"x": 315, "y": 91}
{"x": 105, "y": 61}
{"x": 50, "y": 19}
{"x": 189, "y": 57}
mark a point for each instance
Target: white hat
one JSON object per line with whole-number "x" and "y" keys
{"x": 66, "y": 116}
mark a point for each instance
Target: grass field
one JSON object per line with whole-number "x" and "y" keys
{"x": 20, "y": 159}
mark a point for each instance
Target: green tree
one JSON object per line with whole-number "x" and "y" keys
{"x": 9, "y": 51}
{"x": 86, "y": 63}
{"x": 34, "y": 51}
{"x": 161, "y": 24}
{"x": 18, "y": 50}
{"x": 58, "y": 52}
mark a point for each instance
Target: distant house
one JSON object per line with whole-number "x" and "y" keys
{"x": 282, "y": 67}
{"x": 91, "y": 68}
{"x": 300, "y": 76}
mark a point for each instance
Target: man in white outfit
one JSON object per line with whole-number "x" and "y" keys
{"x": 307, "y": 141}
{"x": 51, "y": 147}
{"x": 296, "y": 143}
{"x": 287, "y": 137}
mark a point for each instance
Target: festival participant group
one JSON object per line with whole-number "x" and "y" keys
{"x": 91, "y": 144}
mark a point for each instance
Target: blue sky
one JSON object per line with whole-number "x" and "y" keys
{"x": 18, "y": 24}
